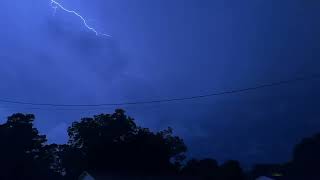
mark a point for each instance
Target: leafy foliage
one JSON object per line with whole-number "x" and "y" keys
{"x": 114, "y": 143}
{"x": 23, "y": 153}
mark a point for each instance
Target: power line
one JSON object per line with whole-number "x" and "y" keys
{"x": 279, "y": 83}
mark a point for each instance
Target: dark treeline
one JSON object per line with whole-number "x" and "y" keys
{"x": 113, "y": 145}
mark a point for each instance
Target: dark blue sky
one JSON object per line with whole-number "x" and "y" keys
{"x": 164, "y": 49}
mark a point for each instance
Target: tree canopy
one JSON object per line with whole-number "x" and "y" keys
{"x": 23, "y": 153}
{"x": 114, "y": 144}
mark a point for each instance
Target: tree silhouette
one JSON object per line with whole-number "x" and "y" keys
{"x": 23, "y": 154}
{"x": 206, "y": 168}
{"x": 231, "y": 170}
{"x": 113, "y": 143}
{"x": 305, "y": 163}
{"x": 306, "y": 159}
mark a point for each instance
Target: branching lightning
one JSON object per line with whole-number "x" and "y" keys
{"x": 56, "y": 5}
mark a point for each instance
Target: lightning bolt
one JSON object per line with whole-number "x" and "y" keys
{"x": 56, "y": 5}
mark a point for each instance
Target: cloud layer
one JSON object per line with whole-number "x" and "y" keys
{"x": 164, "y": 49}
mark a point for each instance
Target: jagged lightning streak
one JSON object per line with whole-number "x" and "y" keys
{"x": 56, "y": 4}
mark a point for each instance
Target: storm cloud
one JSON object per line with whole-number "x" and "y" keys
{"x": 167, "y": 49}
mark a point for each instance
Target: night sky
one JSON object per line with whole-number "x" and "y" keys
{"x": 169, "y": 49}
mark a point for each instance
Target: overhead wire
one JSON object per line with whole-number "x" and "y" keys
{"x": 163, "y": 100}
